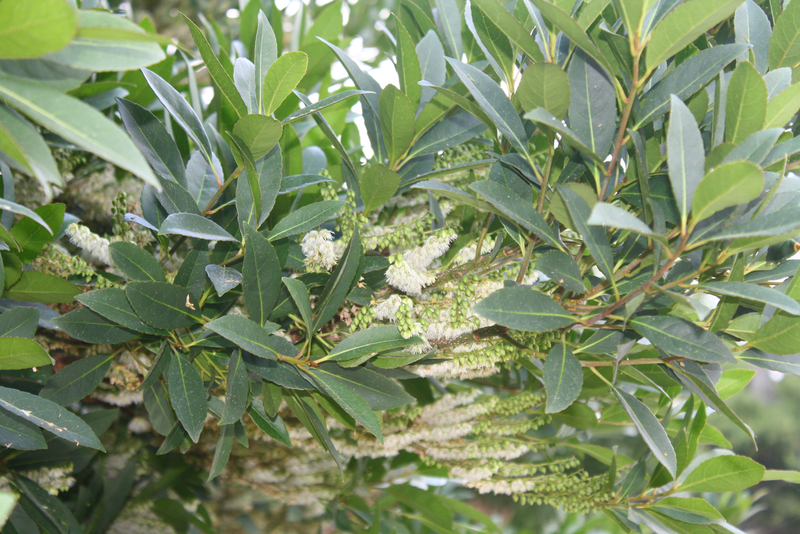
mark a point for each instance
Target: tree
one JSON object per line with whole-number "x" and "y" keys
{"x": 568, "y": 244}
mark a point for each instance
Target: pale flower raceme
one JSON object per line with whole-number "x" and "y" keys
{"x": 409, "y": 272}
{"x": 91, "y": 243}
{"x": 320, "y": 250}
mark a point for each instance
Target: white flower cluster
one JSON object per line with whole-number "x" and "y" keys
{"x": 503, "y": 487}
{"x": 468, "y": 253}
{"x": 139, "y": 520}
{"x": 320, "y": 250}
{"x": 53, "y": 480}
{"x": 386, "y": 310}
{"x": 91, "y": 243}
{"x": 409, "y": 272}
{"x": 120, "y": 398}
{"x": 139, "y": 425}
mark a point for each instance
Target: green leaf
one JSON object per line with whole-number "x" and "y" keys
{"x": 153, "y": 140}
{"x": 21, "y": 353}
{"x": 524, "y": 309}
{"x": 650, "y": 430}
{"x": 251, "y": 337}
{"x": 33, "y": 237}
{"x": 380, "y": 392}
{"x": 688, "y": 509}
{"x": 34, "y": 28}
{"x": 22, "y": 144}
{"x": 91, "y": 327}
{"x": 604, "y": 214}
{"x": 784, "y": 45}
{"x": 783, "y": 107}
{"x": 19, "y": 322}
{"x": 34, "y": 286}
{"x": 182, "y": 112}
{"x": 733, "y": 381}
{"x": 13, "y": 207}
{"x": 449, "y": 20}
{"x": 223, "y": 278}
{"x": 282, "y": 78}
{"x": 494, "y": 102}
{"x": 259, "y": 133}
{"x": 452, "y": 131}
{"x": 686, "y": 80}
{"x": 396, "y": 111}
{"x": 191, "y": 273}
{"x": 683, "y": 25}
{"x": 309, "y": 414}
{"x": 158, "y": 407}
{"x": 305, "y": 218}
{"x": 561, "y": 269}
{"x": 112, "y": 303}
{"x": 162, "y": 305}
{"x": 340, "y": 283}
{"x": 135, "y": 263}
{"x": 728, "y": 185}
{"x": 222, "y": 452}
{"x": 783, "y": 363}
{"x": 49, "y": 416}
{"x": 237, "y": 391}
{"x": 196, "y": 226}
{"x": 592, "y": 105}
{"x": 408, "y": 69}
{"x": 301, "y": 298}
{"x": 724, "y": 473}
{"x": 223, "y": 80}
{"x": 563, "y": 378}
{"x": 682, "y": 338}
{"x": 513, "y": 28}
{"x": 348, "y": 399}
{"x": 370, "y": 341}
{"x": 545, "y": 85}
{"x": 543, "y": 118}
{"x": 77, "y": 380}
{"x": 746, "y": 103}
{"x": 17, "y": 433}
{"x": 187, "y": 395}
{"x": 633, "y": 12}
{"x": 685, "y": 156}
{"x": 378, "y": 183}
{"x": 76, "y": 122}
{"x": 322, "y": 104}
{"x": 261, "y": 276}
{"x": 793, "y": 477}
{"x": 273, "y": 426}
{"x": 516, "y": 209}
{"x": 265, "y": 52}
{"x": 753, "y": 28}
{"x": 594, "y": 237}
{"x": 458, "y": 195}
{"x": 176, "y": 199}
{"x": 755, "y": 292}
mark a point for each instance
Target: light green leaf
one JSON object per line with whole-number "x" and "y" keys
{"x": 563, "y": 378}
{"x": 282, "y": 78}
{"x": 409, "y": 72}
{"x": 524, "y": 309}
{"x": 196, "y": 226}
{"x": 682, "y": 338}
{"x": 633, "y": 13}
{"x": 34, "y": 286}
{"x": 20, "y": 142}
{"x": 746, "y": 103}
{"x": 32, "y": 237}
{"x": 187, "y": 395}
{"x": 370, "y": 341}
{"x": 724, "y": 473}
{"x": 729, "y": 185}
{"x": 783, "y": 107}
{"x": 251, "y": 337}
{"x": 305, "y": 218}
{"x": 649, "y": 429}
{"x": 396, "y": 113}
{"x": 683, "y": 25}
{"x": 733, "y": 381}
{"x": 784, "y": 45}
{"x": 21, "y": 353}
{"x": 77, "y": 380}
{"x": 793, "y": 477}
{"x": 685, "y": 156}
{"x": 259, "y": 133}
{"x": 604, "y": 214}
{"x": 76, "y": 122}
{"x": 494, "y": 102}
{"x": 378, "y": 183}
{"x": 688, "y": 509}
{"x": 49, "y": 416}
{"x": 545, "y": 85}
{"x": 162, "y": 305}
{"x": 237, "y": 391}
{"x": 35, "y": 27}
{"x": 261, "y": 275}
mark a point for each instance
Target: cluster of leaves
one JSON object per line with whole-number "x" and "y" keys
{"x": 636, "y": 153}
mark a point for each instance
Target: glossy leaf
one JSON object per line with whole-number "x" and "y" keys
{"x": 265, "y": 51}
{"x": 77, "y": 380}
{"x": 19, "y": 322}
{"x": 162, "y": 305}
{"x": 650, "y": 430}
{"x": 302, "y": 299}
{"x": 282, "y": 78}
{"x": 259, "y": 133}
{"x": 17, "y": 433}
{"x": 729, "y": 185}
{"x": 524, "y": 309}
{"x": 273, "y": 426}
{"x": 339, "y": 284}
{"x": 724, "y": 473}
{"x": 250, "y": 336}
{"x": 22, "y": 144}
{"x": 322, "y": 104}
{"x": 349, "y": 400}
{"x": 545, "y": 85}
{"x": 223, "y": 278}
{"x": 195, "y": 226}
{"x": 592, "y": 104}
{"x": 380, "y": 392}
{"x": 91, "y": 327}
{"x": 222, "y": 452}
{"x": 35, "y": 28}
{"x": 754, "y": 292}
{"x": 187, "y": 395}
{"x": 782, "y": 363}
{"x": 395, "y": 112}
{"x": 784, "y": 45}
{"x": 604, "y": 214}
{"x": 685, "y": 156}
{"x": 378, "y": 184}
{"x": 34, "y": 286}
{"x": 305, "y": 218}
{"x": 112, "y": 303}
{"x": 562, "y": 269}
{"x": 261, "y": 276}
{"x": 753, "y": 28}
{"x": 237, "y": 390}
{"x": 783, "y": 107}
{"x": 370, "y": 341}
{"x": 746, "y": 103}
{"x": 135, "y": 263}
{"x": 513, "y": 28}
{"x": 21, "y": 353}
{"x": 682, "y": 338}
{"x": 594, "y": 237}
{"x": 543, "y": 118}
{"x": 563, "y": 378}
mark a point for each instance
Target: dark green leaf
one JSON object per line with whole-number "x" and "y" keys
{"x": 604, "y": 214}
{"x": 562, "y": 269}
{"x": 19, "y": 322}
{"x": 265, "y": 52}
{"x": 261, "y": 276}
{"x": 513, "y": 28}
{"x": 17, "y": 433}
{"x": 688, "y": 509}
{"x": 380, "y": 392}
{"x": 650, "y": 429}
{"x": 349, "y": 400}
{"x": 395, "y": 113}
{"x": 251, "y": 337}
{"x": 33, "y": 237}
{"x": 592, "y": 105}
{"x": 301, "y": 298}
{"x": 594, "y": 237}
{"x": 322, "y": 104}
{"x": 34, "y": 286}
{"x": 685, "y": 156}
{"x": 563, "y": 378}
{"x": 162, "y": 305}
{"x": 135, "y": 263}
{"x": 187, "y": 395}
{"x": 755, "y": 292}
{"x": 378, "y": 184}
{"x": 77, "y": 380}
{"x": 305, "y": 218}
{"x": 91, "y": 327}
{"x": 682, "y": 338}
{"x": 222, "y": 452}
{"x": 273, "y": 426}
{"x": 782, "y": 363}
{"x": 112, "y": 303}
{"x": 223, "y": 278}
{"x": 370, "y": 341}
{"x": 196, "y": 226}
{"x": 340, "y": 283}
{"x": 524, "y": 309}
{"x": 236, "y": 392}
{"x": 158, "y": 408}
